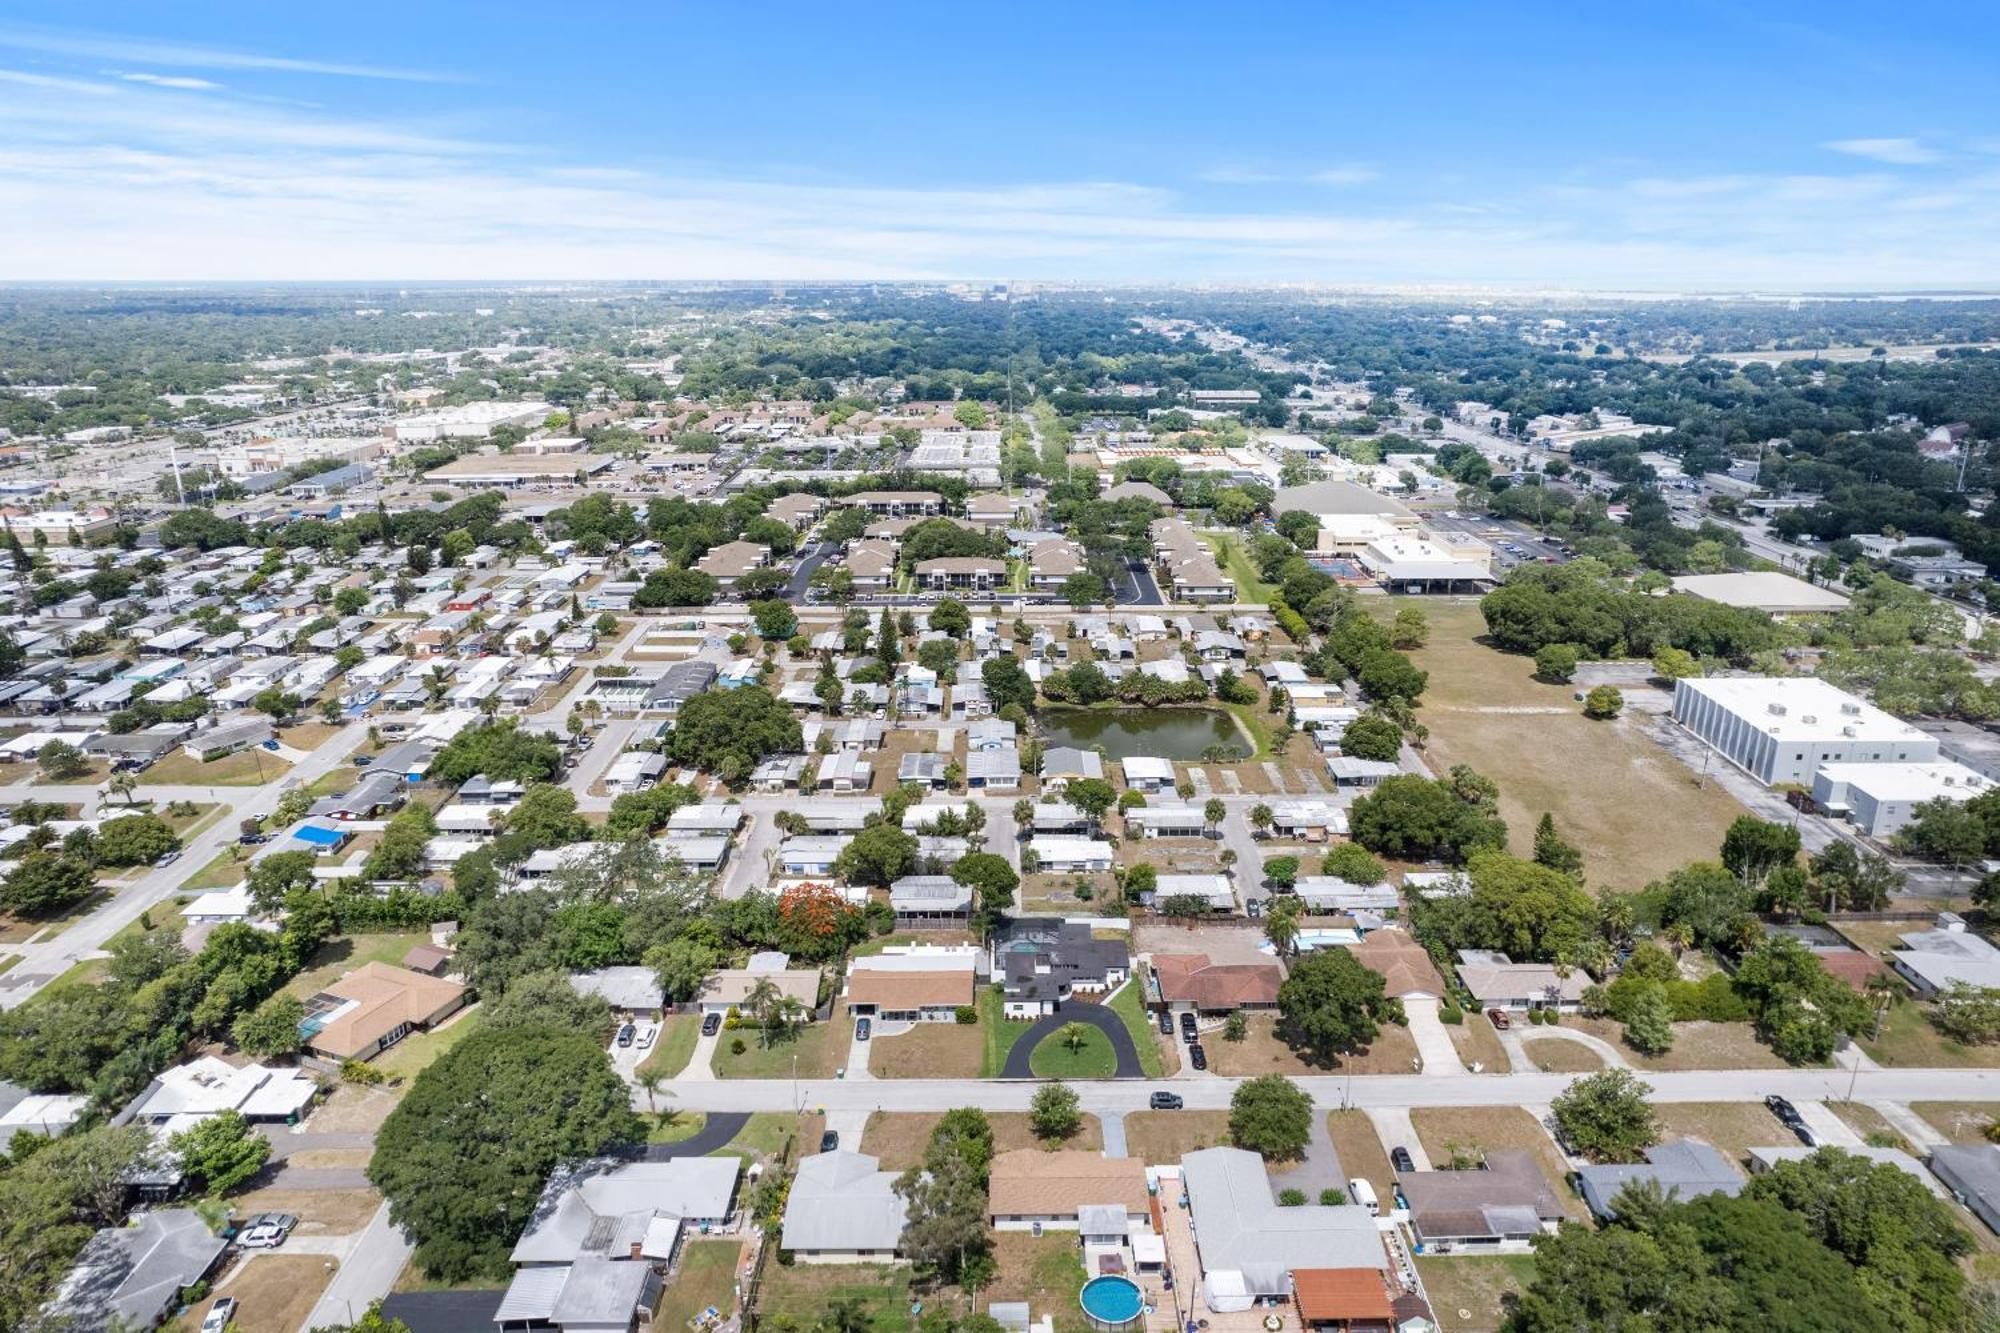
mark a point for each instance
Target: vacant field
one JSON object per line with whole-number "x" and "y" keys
{"x": 308, "y": 735}
{"x": 1468, "y": 1294}
{"x": 274, "y": 1292}
{"x": 337, "y": 957}
{"x": 1473, "y": 1130}
{"x": 1555, "y": 1055}
{"x": 1157, "y": 1137}
{"x": 815, "y": 1051}
{"x": 1961, "y": 1122}
{"x": 1478, "y": 1044}
{"x": 1731, "y": 1128}
{"x": 1909, "y": 1040}
{"x": 1261, "y": 1052}
{"x": 900, "y": 1137}
{"x": 930, "y": 1050}
{"x": 1361, "y": 1152}
{"x": 706, "y": 1276}
{"x": 1696, "y": 1045}
{"x": 1632, "y": 808}
{"x": 246, "y": 768}
{"x": 353, "y": 1109}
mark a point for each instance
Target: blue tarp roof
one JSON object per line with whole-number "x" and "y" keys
{"x": 318, "y": 835}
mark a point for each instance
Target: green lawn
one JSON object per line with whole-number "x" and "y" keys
{"x": 806, "y": 1292}
{"x": 814, "y": 1050}
{"x": 224, "y": 872}
{"x": 1468, "y": 1292}
{"x": 91, "y": 971}
{"x": 707, "y": 1276}
{"x": 1093, "y": 1058}
{"x": 675, "y": 1126}
{"x": 410, "y": 1056}
{"x": 1001, "y": 1032}
{"x": 1232, "y": 553}
{"x": 1251, "y": 717}
{"x": 1910, "y": 1041}
{"x": 337, "y": 957}
{"x": 670, "y": 1053}
{"x": 1129, "y": 1004}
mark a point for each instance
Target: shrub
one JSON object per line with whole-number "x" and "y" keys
{"x": 1452, "y": 1014}
{"x": 965, "y": 1013}
{"x": 737, "y": 1046}
{"x": 1291, "y": 1198}
{"x": 1332, "y": 1198}
{"x": 1553, "y": 1017}
{"x": 360, "y": 1071}
{"x": 1535, "y": 1017}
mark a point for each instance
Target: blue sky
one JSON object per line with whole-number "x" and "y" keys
{"x": 1668, "y": 147}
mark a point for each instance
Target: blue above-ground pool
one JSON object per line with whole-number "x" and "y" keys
{"x": 1112, "y": 1302}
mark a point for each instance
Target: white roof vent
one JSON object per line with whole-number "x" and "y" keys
{"x": 1808, "y": 719}
{"x": 1777, "y": 710}
{"x": 1849, "y": 731}
{"x": 1851, "y": 709}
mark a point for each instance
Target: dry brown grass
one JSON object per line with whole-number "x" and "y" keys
{"x": 308, "y": 735}
{"x": 274, "y": 1292}
{"x": 1696, "y": 1045}
{"x": 1479, "y": 1044}
{"x": 1555, "y": 1055}
{"x": 1468, "y": 1292}
{"x": 1261, "y": 1052}
{"x": 929, "y": 1050}
{"x": 1632, "y": 807}
{"x": 1483, "y": 1129}
{"x": 352, "y": 1109}
{"x": 355, "y": 1159}
{"x": 320, "y": 1212}
{"x": 1864, "y": 1120}
{"x": 1160, "y": 1137}
{"x": 899, "y": 1138}
{"x": 246, "y": 768}
{"x": 1360, "y": 1151}
{"x": 1961, "y": 1122}
{"x": 1731, "y": 1128}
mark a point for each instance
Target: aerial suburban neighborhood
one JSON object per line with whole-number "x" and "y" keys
{"x": 914, "y": 804}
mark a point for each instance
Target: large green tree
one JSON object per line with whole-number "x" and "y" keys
{"x": 463, "y": 1158}
{"x": 1329, "y": 1005}
{"x": 1271, "y": 1116}
{"x": 1605, "y": 1116}
{"x": 728, "y": 732}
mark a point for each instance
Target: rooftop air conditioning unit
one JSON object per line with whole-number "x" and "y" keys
{"x": 1777, "y": 710}
{"x": 1808, "y": 719}
{"x": 1848, "y": 731}
{"x": 1851, "y": 709}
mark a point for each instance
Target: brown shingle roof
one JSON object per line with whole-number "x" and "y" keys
{"x": 1191, "y": 978}
{"x": 1405, "y": 965}
{"x": 385, "y": 998}
{"x": 1028, "y": 1181}
{"x": 910, "y": 990}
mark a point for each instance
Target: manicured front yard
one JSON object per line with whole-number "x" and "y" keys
{"x": 815, "y": 1050}
{"x": 1468, "y": 1294}
{"x": 1129, "y": 1004}
{"x": 1556, "y": 1055}
{"x": 1079, "y": 1052}
{"x": 999, "y": 1032}
{"x": 1908, "y": 1040}
{"x": 1478, "y": 1044}
{"x": 674, "y": 1046}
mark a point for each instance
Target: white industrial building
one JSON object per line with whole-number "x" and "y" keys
{"x": 1783, "y": 729}
{"x": 1879, "y": 799}
{"x": 469, "y": 421}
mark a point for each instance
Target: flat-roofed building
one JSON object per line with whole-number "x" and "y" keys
{"x": 1783, "y": 729}
{"x": 1879, "y": 799}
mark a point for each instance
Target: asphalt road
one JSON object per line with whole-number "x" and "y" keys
{"x": 1093, "y": 1015}
{"x": 809, "y": 559}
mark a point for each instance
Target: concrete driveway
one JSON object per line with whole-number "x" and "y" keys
{"x": 1433, "y": 1042}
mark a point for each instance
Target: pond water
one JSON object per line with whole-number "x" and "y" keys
{"x": 1169, "y": 733}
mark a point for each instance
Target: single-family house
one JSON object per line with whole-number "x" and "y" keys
{"x": 1502, "y": 1206}
{"x": 1684, "y": 1169}
{"x": 132, "y": 1277}
{"x": 843, "y": 1209}
{"x": 1498, "y": 982}
{"x": 1042, "y": 961}
{"x": 1249, "y": 1246}
{"x": 1196, "y": 983}
{"x": 1032, "y": 1190}
{"x": 374, "y": 1007}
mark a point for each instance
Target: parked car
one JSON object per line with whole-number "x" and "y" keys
{"x": 1166, "y": 1024}
{"x": 166, "y": 860}
{"x": 829, "y": 1140}
{"x": 1400, "y": 1159}
{"x": 711, "y": 1024}
{"x": 1166, "y": 1101}
{"x": 1788, "y": 1115}
{"x": 862, "y": 1027}
{"x": 1499, "y": 1019}
{"x": 219, "y": 1315}
{"x": 272, "y": 744}
{"x": 1197, "y": 1056}
{"x": 363, "y": 760}
{"x": 647, "y": 1036}
{"x": 267, "y": 1231}
{"x": 626, "y": 1034}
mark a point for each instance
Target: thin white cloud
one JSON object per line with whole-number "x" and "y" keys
{"x": 124, "y": 180}
{"x": 143, "y": 51}
{"x": 1350, "y": 174}
{"x": 185, "y": 81}
{"x": 1896, "y": 152}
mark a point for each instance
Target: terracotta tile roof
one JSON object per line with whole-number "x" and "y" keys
{"x": 1028, "y": 1181}
{"x": 1192, "y": 978}
{"x": 1405, "y": 965}
{"x": 1326, "y": 1295}
{"x": 909, "y": 990}
{"x": 384, "y": 998}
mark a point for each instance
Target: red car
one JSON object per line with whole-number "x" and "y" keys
{"x": 1499, "y": 1019}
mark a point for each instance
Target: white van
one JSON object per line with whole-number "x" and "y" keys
{"x": 1361, "y": 1192}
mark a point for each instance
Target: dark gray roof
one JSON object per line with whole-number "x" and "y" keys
{"x": 1683, "y": 1170}
{"x": 134, "y": 1274}
{"x": 443, "y": 1311}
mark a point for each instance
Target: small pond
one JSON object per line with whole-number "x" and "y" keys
{"x": 1169, "y": 733}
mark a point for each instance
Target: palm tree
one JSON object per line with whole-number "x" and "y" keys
{"x": 1214, "y": 812}
{"x": 1024, "y": 815}
{"x": 1074, "y": 1036}
{"x": 1261, "y": 817}
{"x": 651, "y": 1079}
{"x": 1281, "y": 925}
{"x": 121, "y": 784}
{"x": 760, "y": 1003}
{"x": 1680, "y": 936}
{"x": 1881, "y": 990}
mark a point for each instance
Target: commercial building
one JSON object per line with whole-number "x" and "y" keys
{"x": 471, "y": 421}
{"x": 513, "y": 470}
{"x": 1879, "y": 799}
{"x": 1783, "y": 729}
{"x": 1763, "y": 590}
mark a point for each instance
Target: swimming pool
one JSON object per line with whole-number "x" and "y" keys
{"x": 1320, "y": 939}
{"x": 1112, "y": 1302}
